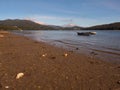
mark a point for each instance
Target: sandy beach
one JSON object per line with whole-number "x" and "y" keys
{"x": 26, "y": 64}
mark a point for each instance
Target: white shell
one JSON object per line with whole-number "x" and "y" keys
{"x": 19, "y": 75}
{"x": 65, "y": 54}
{"x": 6, "y": 86}
{"x": 44, "y": 55}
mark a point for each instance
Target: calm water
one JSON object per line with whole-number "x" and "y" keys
{"x": 107, "y": 42}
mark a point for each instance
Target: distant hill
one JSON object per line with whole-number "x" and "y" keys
{"x": 112, "y": 26}
{"x": 30, "y": 25}
{"x": 18, "y": 24}
{"x": 23, "y": 24}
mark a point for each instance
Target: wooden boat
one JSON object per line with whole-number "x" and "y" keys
{"x": 86, "y": 33}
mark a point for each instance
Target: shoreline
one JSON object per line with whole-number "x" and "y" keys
{"x": 107, "y": 54}
{"x": 47, "y": 67}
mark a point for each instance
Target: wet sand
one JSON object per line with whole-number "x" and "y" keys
{"x": 46, "y": 67}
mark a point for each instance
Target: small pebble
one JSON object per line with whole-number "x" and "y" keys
{"x": 66, "y": 77}
{"x": 77, "y": 48}
{"x": 39, "y": 86}
{"x": 1, "y": 36}
{"x": 6, "y": 87}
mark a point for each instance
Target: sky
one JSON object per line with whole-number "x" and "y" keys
{"x": 62, "y": 12}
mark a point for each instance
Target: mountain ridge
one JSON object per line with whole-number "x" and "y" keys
{"x": 17, "y": 24}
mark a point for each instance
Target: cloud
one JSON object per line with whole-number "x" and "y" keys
{"x": 45, "y": 17}
{"x": 64, "y": 19}
{"x": 61, "y": 20}
{"x": 39, "y": 17}
{"x": 40, "y": 22}
{"x": 81, "y": 21}
{"x": 35, "y": 20}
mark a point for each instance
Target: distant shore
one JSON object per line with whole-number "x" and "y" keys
{"x": 22, "y": 24}
{"x": 46, "y": 67}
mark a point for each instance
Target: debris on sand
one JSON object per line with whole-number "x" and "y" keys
{"x": 118, "y": 82}
{"x": 77, "y": 48}
{"x": 53, "y": 57}
{"x": 19, "y": 75}
{"x": 94, "y": 53}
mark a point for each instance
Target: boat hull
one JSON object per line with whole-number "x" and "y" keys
{"x": 86, "y": 33}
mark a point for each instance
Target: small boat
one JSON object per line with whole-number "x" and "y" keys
{"x": 86, "y": 33}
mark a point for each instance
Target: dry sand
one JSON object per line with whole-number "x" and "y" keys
{"x": 29, "y": 65}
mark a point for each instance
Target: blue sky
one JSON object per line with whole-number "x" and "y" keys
{"x": 61, "y": 12}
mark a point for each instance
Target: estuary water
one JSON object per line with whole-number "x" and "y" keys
{"x": 105, "y": 44}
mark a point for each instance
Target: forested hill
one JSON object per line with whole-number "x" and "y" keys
{"x": 112, "y": 26}
{"x": 22, "y": 24}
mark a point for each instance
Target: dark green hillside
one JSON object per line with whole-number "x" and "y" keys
{"x": 23, "y": 24}
{"x": 112, "y": 26}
